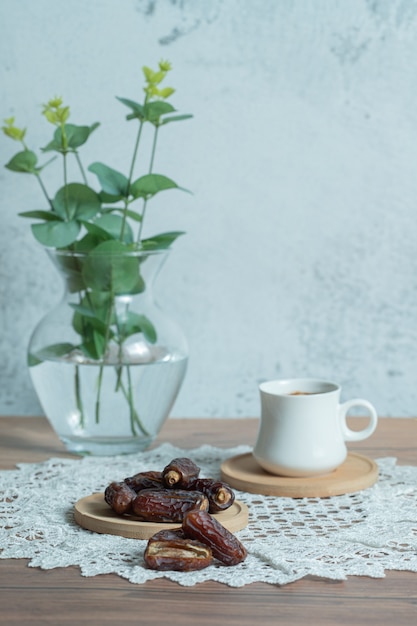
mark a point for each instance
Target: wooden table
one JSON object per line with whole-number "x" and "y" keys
{"x": 63, "y": 596}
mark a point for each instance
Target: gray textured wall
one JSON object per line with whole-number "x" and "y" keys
{"x": 300, "y": 257}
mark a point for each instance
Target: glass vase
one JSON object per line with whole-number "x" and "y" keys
{"x": 107, "y": 363}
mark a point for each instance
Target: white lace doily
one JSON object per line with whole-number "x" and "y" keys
{"x": 359, "y": 534}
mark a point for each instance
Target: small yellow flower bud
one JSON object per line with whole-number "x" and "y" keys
{"x": 151, "y": 77}
{"x": 148, "y": 73}
{"x": 55, "y": 112}
{"x": 63, "y": 114}
{"x": 165, "y": 66}
{"x": 54, "y": 103}
{"x": 166, "y": 92}
{"x": 50, "y": 116}
{"x": 12, "y": 131}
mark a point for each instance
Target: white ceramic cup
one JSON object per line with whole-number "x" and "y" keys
{"x": 303, "y": 430}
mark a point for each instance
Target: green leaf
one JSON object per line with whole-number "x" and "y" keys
{"x": 94, "y": 345}
{"x": 139, "y": 285}
{"x": 98, "y": 232}
{"x": 162, "y": 241}
{"x": 110, "y": 267}
{"x": 71, "y": 266}
{"x": 131, "y": 214}
{"x": 89, "y": 349}
{"x": 83, "y": 310}
{"x": 138, "y": 110}
{"x": 175, "y": 118}
{"x": 56, "y": 234}
{"x": 136, "y": 323}
{"x": 53, "y": 145}
{"x": 112, "y": 224}
{"x": 89, "y": 241}
{"x": 154, "y": 110}
{"x": 100, "y": 343}
{"x": 150, "y": 184}
{"x": 112, "y": 182}
{"x": 24, "y": 161}
{"x": 107, "y": 197}
{"x": 92, "y": 313}
{"x": 50, "y": 353}
{"x": 76, "y": 137}
{"x": 94, "y": 321}
{"x": 148, "y": 328}
{"x": 40, "y": 215}
{"x": 76, "y": 201}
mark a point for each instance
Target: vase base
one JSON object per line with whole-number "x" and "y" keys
{"x": 106, "y": 446}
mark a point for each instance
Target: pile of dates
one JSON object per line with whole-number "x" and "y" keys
{"x": 178, "y": 495}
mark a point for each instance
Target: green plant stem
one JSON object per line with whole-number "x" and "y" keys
{"x": 78, "y": 394}
{"x": 135, "y": 152}
{"x": 155, "y": 139}
{"x": 119, "y": 356}
{"x": 119, "y": 371}
{"x": 40, "y": 181}
{"x": 80, "y": 165}
{"x": 66, "y": 185}
{"x": 151, "y": 163}
{"x": 99, "y": 383}
{"x": 78, "y": 397}
{"x": 106, "y": 342}
{"x": 132, "y": 166}
{"x": 134, "y": 417}
{"x": 64, "y": 143}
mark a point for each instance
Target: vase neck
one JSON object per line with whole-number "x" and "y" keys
{"x": 132, "y": 273}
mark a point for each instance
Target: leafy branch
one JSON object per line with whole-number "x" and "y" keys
{"x": 105, "y": 225}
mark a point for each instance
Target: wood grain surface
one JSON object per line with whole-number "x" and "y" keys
{"x": 356, "y": 473}
{"x": 94, "y": 514}
{"x": 64, "y": 597}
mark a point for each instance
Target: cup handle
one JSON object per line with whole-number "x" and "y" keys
{"x": 357, "y": 435}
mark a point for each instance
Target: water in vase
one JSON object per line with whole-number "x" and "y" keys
{"x": 110, "y": 408}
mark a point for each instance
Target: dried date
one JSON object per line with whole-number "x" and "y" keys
{"x": 180, "y": 472}
{"x": 225, "y": 546}
{"x": 167, "y": 505}
{"x": 151, "y": 479}
{"x": 171, "y": 550}
{"x": 219, "y": 494}
{"x": 168, "y": 533}
{"x": 119, "y": 497}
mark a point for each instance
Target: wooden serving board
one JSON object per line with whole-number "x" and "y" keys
{"x": 244, "y": 473}
{"x": 94, "y": 514}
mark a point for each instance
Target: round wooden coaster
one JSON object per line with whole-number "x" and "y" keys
{"x": 94, "y": 514}
{"x": 243, "y": 472}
